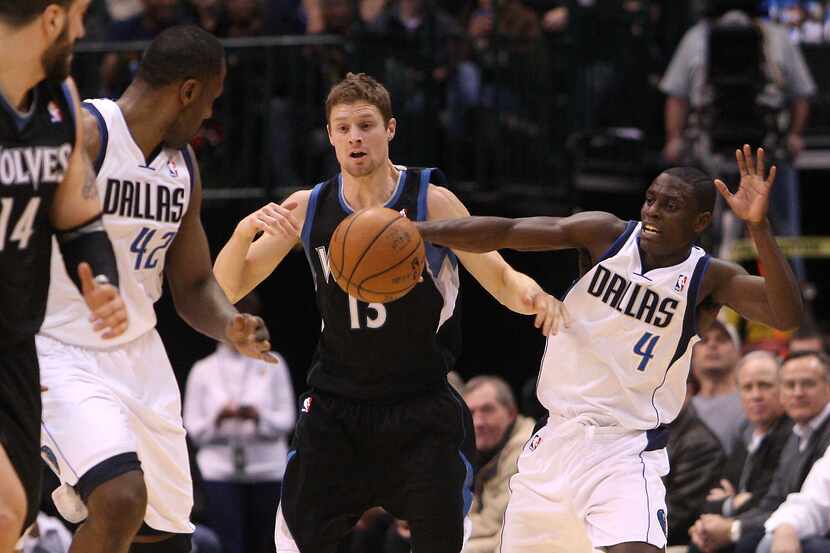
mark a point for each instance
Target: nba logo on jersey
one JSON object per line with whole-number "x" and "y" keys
{"x": 534, "y": 442}
{"x": 171, "y": 167}
{"x": 306, "y": 405}
{"x": 55, "y": 115}
{"x": 681, "y": 283}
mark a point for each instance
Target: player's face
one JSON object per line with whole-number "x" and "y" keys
{"x": 669, "y": 216}
{"x": 760, "y": 393}
{"x": 716, "y": 352}
{"x": 804, "y": 388}
{"x": 196, "y": 112}
{"x": 360, "y": 138}
{"x": 57, "y": 58}
{"x": 491, "y": 419}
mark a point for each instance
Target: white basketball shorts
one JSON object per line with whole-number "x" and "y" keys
{"x": 110, "y": 405}
{"x": 582, "y": 487}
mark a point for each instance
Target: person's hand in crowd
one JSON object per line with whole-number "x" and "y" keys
{"x": 785, "y": 540}
{"x": 719, "y": 494}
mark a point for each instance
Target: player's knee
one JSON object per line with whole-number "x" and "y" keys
{"x": 122, "y": 501}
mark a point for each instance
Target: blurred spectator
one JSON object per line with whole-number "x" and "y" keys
{"x": 802, "y": 522}
{"x": 120, "y": 10}
{"x": 807, "y": 338}
{"x": 718, "y": 403}
{"x": 749, "y": 471}
{"x": 696, "y": 458}
{"x": 205, "y": 13}
{"x": 805, "y": 395}
{"x": 46, "y": 535}
{"x": 239, "y": 411}
{"x": 701, "y": 116}
{"x": 500, "y": 436}
{"x": 117, "y": 70}
{"x": 243, "y": 18}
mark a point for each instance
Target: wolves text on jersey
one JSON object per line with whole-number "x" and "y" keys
{"x": 636, "y": 301}
{"x": 34, "y": 165}
{"x": 144, "y": 200}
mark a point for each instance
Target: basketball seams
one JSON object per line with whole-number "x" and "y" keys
{"x": 404, "y": 259}
{"x": 368, "y": 247}
{"x": 353, "y": 217}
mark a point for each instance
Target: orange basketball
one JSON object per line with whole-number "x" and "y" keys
{"x": 376, "y": 255}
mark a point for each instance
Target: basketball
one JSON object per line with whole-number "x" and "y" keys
{"x": 376, "y": 255}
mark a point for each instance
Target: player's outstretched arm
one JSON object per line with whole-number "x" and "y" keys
{"x": 516, "y": 291}
{"x": 244, "y": 262}
{"x": 76, "y": 217}
{"x": 198, "y": 298}
{"x": 591, "y": 230}
{"x": 775, "y": 299}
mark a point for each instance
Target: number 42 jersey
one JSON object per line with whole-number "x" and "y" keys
{"x": 625, "y": 358}
{"x": 143, "y": 204}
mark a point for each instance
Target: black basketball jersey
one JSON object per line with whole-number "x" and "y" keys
{"x": 34, "y": 154}
{"x": 373, "y": 351}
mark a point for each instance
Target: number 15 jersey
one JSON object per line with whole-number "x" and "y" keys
{"x": 143, "y": 204}
{"x": 625, "y": 358}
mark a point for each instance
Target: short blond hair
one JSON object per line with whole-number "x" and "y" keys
{"x": 357, "y": 87}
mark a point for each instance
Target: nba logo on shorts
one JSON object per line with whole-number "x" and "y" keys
{"x": 306, "y": 405}
{"x": 534, "y": 442}
{"x": 681, "y": 283}
{"x": 171, "y": 167}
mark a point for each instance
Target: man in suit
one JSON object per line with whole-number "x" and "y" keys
{"x": 805, "y": 395}
{"x": 750, "y": 469}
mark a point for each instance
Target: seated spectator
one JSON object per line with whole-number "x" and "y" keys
{"x": 749, "y": 471}
{"x": 807, "y": 338}
{"x": 718, "y": 403}
{"x": 500, "y": 436}
{"x": 239, "y": 412}
{"x": 805, "y": 395}
{"x": 803, "y": 520}
{"x": 696, "y": 458}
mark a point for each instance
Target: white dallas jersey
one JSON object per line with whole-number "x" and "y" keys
{"x": 143, "y": 205}
{"x": 625, "y": 358}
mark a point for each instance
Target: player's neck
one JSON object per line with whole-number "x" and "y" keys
{"x": 373, "y": 189}
{"x": 721, "y": 383}
{"x": 145, "y": 116}
{"x": 20, "y": 67}
{"x": 651, "y": 261}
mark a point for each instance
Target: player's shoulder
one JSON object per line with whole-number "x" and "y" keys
{"x": 443, "y": 203}
{"x": 92, "y": 132}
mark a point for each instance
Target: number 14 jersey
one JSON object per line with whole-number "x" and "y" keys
{"x": 143, "y": 204}
{"x": 625, "y": 358}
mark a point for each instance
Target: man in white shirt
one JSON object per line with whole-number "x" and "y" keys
{"x": 239, "y": 411}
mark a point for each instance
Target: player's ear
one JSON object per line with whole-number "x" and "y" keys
{"x": 702, "y": 221}
{"x": 390, "y": 128}
{"x": 189, "y": 91}
{"x": 54, "y": 19}
{"x": 328, "y": 131}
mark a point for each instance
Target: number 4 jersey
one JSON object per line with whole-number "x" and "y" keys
{"x": 143, "y": 204}
{"x": 625, "y": 358}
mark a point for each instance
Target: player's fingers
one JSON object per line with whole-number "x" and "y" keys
{"x": 724, "y": 191}
{"x": 290, "y": 205}
{"x": 43, "y": 389}
{"x": 565, "y": 314}
{"x": 85, "y": 274}
{"x": 759, "y": 163}
{"x": 265, "y": 227}
{"x": 269, "y": 358}
{"x": 739, "y": 157}
{"x": 750, "y": 166}
{"x": 771, "y": 178}
{"x": 551, "y": 324}
{"x": 116, "y": 331}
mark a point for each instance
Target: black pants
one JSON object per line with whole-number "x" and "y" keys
{"x": 411, "y": 457}
{"x": 20, "y": 410}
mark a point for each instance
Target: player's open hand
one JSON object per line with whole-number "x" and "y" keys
{"x": 273, "y": 219}
{"x": 109, "y": 313}
{"x": 249, "y": 336}
{"x": 550, "y": 313}
{"x": 751, "y": 202}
